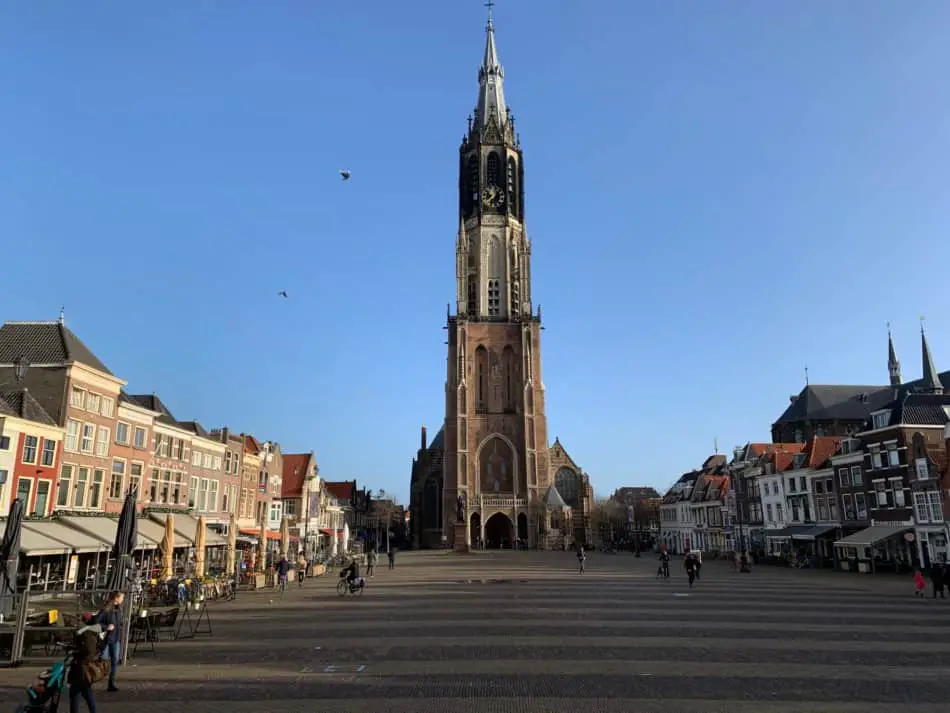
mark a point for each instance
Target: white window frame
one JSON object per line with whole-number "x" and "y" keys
{"x": 121, "y": 474}
{"x": 73, "y": 429}
{"x": 64, "y": 486}
{"x": 122, "y": 440}
{"x": 77, "y": 397}
{"x": 89, "y": 436}
{"x": 31, "y": 443}
{"x": 79, "y": 494}
{"x": 860, "y": 510}
{"x": 108, "y": 407}
{"x": 135, "y": 437}
{"x": 93, "y": 401}
{"x": 102, "y": 441}
{"x": 137, "y": 479}
{"x": 857, "y": 478}
{"x": 893, "y": 457}
{"x": 213, "y": 496}
{"x": 48, "y": 451}
{"x": 95, "y": 489}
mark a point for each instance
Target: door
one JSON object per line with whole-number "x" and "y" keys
{"x": 42, "y": 497}
{"x": 23, "y": 489}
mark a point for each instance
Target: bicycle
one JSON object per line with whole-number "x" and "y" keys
{"x": 354, "y": 588}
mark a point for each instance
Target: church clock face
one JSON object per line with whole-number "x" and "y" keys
{"x": 493, "y": 196}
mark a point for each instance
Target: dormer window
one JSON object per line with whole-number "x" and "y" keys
{"x": 799, "y": 460}
{"x": 880, "y": 419}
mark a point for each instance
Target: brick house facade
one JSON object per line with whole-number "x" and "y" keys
{"x": 31, "y": 443}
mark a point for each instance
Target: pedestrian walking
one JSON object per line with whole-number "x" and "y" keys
{"x": 919, "y": 584}
{"x": 110, "y": 619}
{"x": 581, "y": 559}
{"x": 371, "y": 560}
{"x": 392, "y": 557}
{"x": 938, "y": 578}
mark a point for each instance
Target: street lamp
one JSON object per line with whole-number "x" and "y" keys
{"x": 20, "y": 367}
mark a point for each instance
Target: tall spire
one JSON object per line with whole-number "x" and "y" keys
{"x": 931, "y": 379}
{"x": 491, "y": 76}
{"x": 893, "y": 365}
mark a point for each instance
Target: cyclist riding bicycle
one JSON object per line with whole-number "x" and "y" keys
{"x": 351, "y": 572}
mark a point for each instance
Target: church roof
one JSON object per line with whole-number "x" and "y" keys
{"x": 438, "y": 442}
{"x": 553, "y": 499}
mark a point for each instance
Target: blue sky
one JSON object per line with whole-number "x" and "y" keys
{"x": 718, "y": 194}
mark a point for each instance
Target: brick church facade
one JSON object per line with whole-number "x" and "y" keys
{"x": 492, "y": 453}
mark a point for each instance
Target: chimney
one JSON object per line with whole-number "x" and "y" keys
{"x": 423, "y": 439}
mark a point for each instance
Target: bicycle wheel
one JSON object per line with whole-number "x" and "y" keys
{"x": 341, "y": 588}
{"x": 358, "y": 592}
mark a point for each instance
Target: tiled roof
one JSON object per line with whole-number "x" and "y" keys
{"x": 819, "y": 449}
{"x": 45, "y": 343}
{"x": 342, "y": 490}
{"x": 22, "y": 405}
{"x": 920, "y": 410}
{"x": 252, "y": 445}
{"x": 635, "y": 493}
{"x": 296, "y": 467}
{"x": 151, "y": 402}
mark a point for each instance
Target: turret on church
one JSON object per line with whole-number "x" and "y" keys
{"x": 493, "y": 456}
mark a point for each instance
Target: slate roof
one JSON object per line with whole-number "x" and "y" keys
{"x": 196, "y": 428}
{"x": 631, "y": 494}
{"x": 46, "y": 385}
{"x": 553, "y": 499}
{"x": 47, "y": 344}
{"x": 153, "y": 403}
{"x": 438, "y": 441}
{"x": 21, "y": 404}
{"x": 817, "y": 402}
{"x": 296, "y": 467}
{"x": 681, "y": 490}
{"x": 919, "y": 410}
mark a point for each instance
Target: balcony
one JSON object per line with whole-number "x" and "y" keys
{"x": 502, "y": 501}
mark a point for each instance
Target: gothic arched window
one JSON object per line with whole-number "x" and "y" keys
{"x": 481, "y": 373}
{"x": 509, "y": 363}
{"x": 431, "y": 500}
{"x": 492, "y": 174}
{"x": 473, "y": 178}
{"x": 512, "y": 187}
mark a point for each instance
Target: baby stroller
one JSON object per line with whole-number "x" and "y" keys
{"x": 44, "y": 694}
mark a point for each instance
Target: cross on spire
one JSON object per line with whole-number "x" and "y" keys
{"x": 490, "y": 4}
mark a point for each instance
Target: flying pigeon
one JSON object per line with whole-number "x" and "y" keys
{"x": 345, "y": 174}
{"x": 282, "y": 293}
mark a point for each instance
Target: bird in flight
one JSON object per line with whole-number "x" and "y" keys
{"x": 345, "y": 174}
{"x": 282, "y": 293}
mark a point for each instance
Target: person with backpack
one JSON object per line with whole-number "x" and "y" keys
{"x": 85, "y": 666}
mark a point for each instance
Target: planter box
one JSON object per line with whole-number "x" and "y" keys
{"x": 257, "y": 581}
{"x": 318, "y": 570}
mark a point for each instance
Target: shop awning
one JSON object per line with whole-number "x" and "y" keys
{"x": 186, "y": 526}
{"x": 813, "y": 533}
{"x": 105, "y": 528}
{"x": 150, "y": 529}
{"x": 872, "y": 535}
{"x": 67, "y": 536}
{"x": 35, "y": 544}
{"x": 787, "y": 532}
{"x": 271, "y": 534}
{"x": 331, "y": 533}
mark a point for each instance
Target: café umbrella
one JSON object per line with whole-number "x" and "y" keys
{"x": 126, "y": 535}
{"x": 231, "y": 563}
{"x": 168, "y": 548}
{"x": 10, "y": 558}
{"x": 200, "y": 540}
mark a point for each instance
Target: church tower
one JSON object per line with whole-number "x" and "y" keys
{"x": 495, "y": 431}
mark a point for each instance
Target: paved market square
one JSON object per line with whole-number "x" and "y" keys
{"x": 512, "y": 631}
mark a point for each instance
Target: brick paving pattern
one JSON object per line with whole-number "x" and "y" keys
{"x": 522, "y": 632}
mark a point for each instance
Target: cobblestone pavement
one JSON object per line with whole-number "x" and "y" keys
{"x": 522, "y": 632}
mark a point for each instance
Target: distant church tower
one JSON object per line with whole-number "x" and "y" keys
{"x": 495, "y": 430}
{"x": 893, "y": 366}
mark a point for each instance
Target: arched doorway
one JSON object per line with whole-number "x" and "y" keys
{"x": 523, "y": 528}
{"x": 498, "y": 532}
{"x": 475, "y": 528}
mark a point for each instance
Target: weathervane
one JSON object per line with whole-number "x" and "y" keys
{"x": 806, "y": 374}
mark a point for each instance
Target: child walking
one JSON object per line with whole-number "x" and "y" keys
{"x": 919, "y": 584}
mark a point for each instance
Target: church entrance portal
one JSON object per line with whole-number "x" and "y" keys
{"x": 498, "y": 532}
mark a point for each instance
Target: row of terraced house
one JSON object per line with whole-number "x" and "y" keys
{"x": 855, "y": 477}
{"x": 74, "y": 440}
